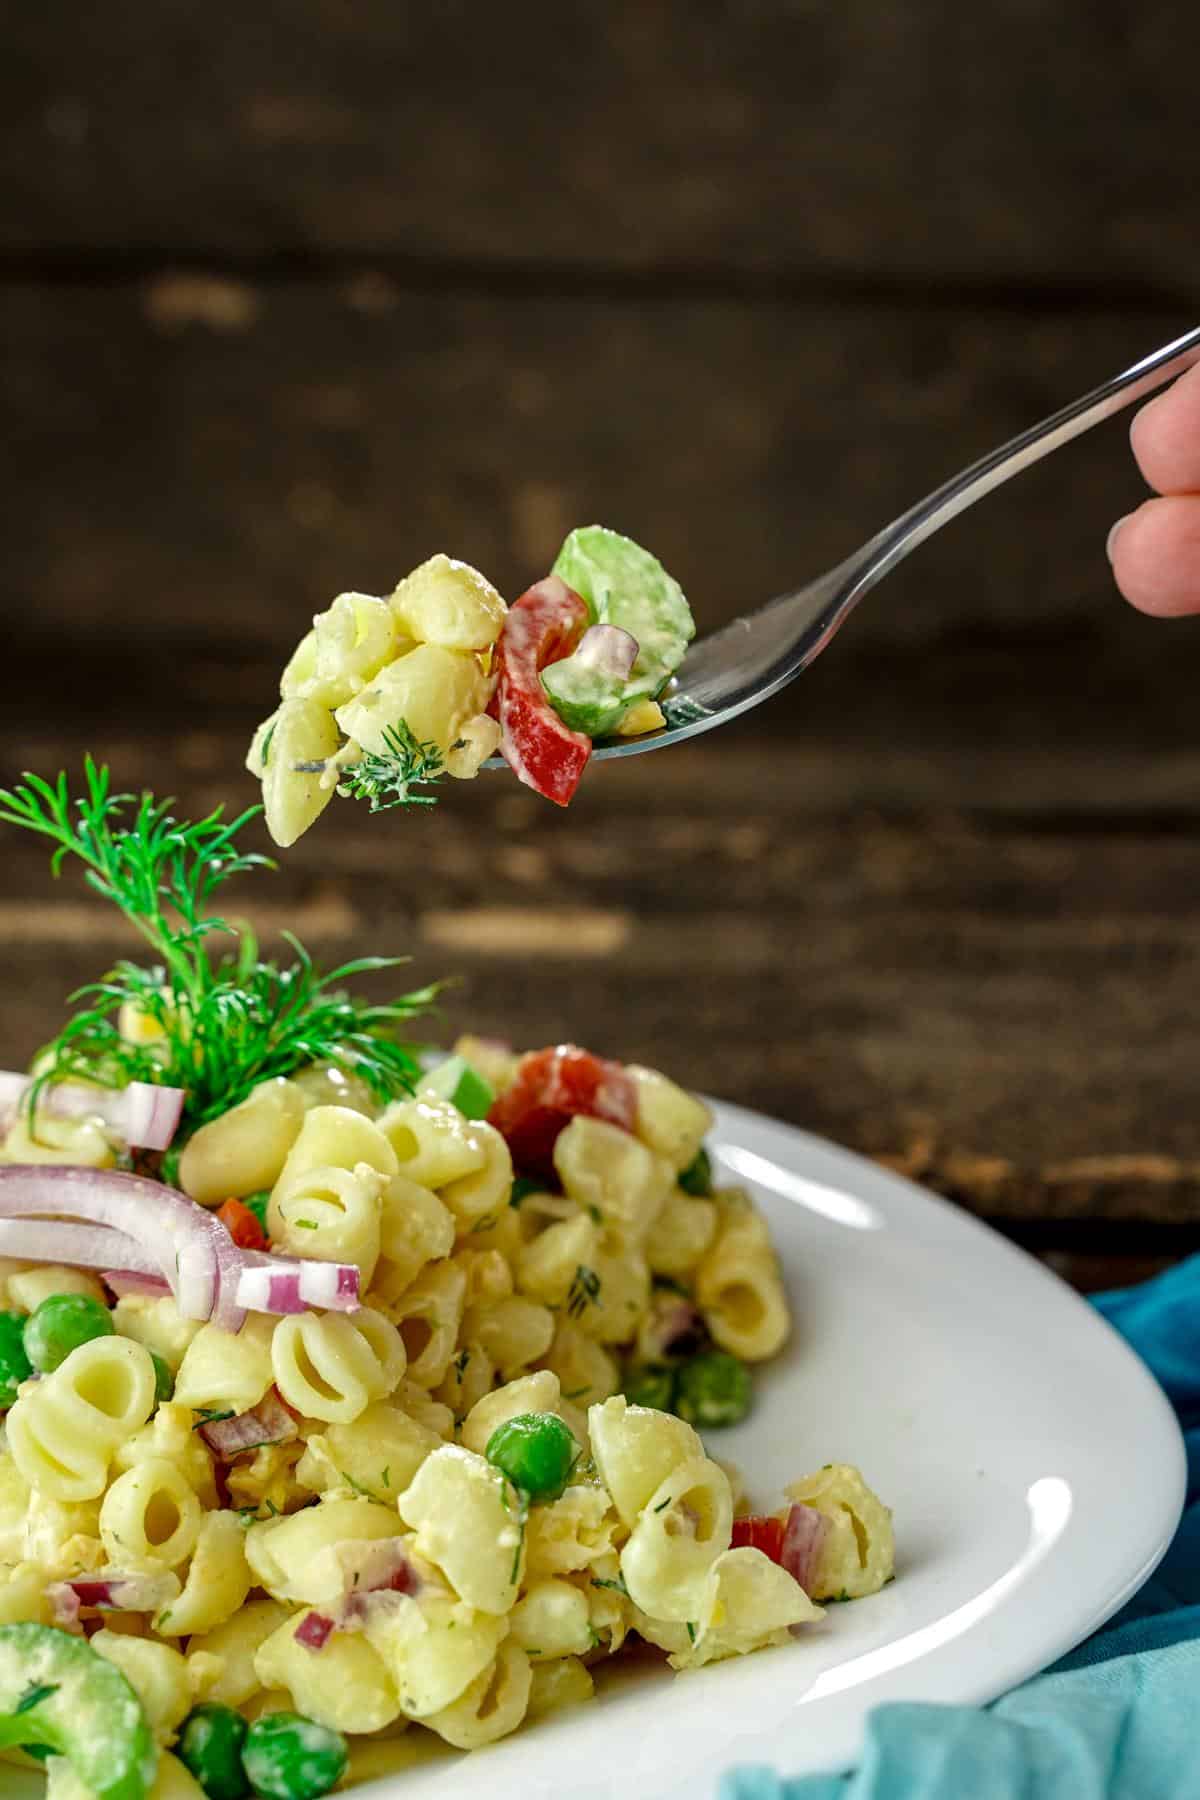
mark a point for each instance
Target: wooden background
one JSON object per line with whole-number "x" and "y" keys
{"x": 293, "y": 294}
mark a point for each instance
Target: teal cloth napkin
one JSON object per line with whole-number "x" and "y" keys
{"x": 1113, "y": 1720}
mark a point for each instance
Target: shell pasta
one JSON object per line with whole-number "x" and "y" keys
{"x": 444, "y": 1505}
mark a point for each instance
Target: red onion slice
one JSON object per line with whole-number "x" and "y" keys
{"x": 608, "y": 650}
{"x": 79, "y": 1246}
{"x": 132, "y": 1281}
{"x": 803, "y": 1535}
{"x": 187, "y": 1244}
{"x": 146, "y": 1116}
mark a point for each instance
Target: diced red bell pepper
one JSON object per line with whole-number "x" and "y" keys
{"x": 550, "y": 1088}
{"x": 242, "y": 1225}
{"x": 542, "y": 627}
{"x": 761, "y": 1531}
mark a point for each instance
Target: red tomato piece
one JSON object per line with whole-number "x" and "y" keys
{"x": 552, "y": 1087}
{"x": 242, "y": 1225}
{"x": 542, "y": 627}
{"x": 761, "y": 1531}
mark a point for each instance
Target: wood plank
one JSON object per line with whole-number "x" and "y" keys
{"x": 1002, "y": 1010}
{"x": 930, "y": 141}
{"x": 168, "y": 477}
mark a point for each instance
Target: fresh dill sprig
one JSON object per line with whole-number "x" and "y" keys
{"x": 224, "y": 1022}
{"x": 388, "y": 781}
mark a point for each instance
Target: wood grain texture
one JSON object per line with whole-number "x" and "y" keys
{"x": 185, "y": 453}
{"x": 913, "y": 143}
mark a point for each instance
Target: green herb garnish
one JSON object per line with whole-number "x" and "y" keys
{"x": 583, "y": 1292}
{"x": 33, "y": 1696}
{"x": 211, "y": 1415}
{"x": 229, "y": 1021}
{"x": 388, "y": 780}
{"x": 522, "y": 1187}
{"x": 618, "y": 1586}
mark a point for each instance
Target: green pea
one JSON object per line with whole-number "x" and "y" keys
{"x": 210, "y": 1747}
{"x": 60, "y": 1325}
{"x": 164, "y": 1381}
{"x": 697, "y": 1177}
{"x": 291, "y": 1758}
{"x": 536, "y": 1451}
{"x": 713, "y": 1389}
{"x": 651, "y": 1384}
{"x": 15, "y": 1366}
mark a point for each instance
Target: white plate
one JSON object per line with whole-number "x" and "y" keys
{"x": 1035, "y": 1471}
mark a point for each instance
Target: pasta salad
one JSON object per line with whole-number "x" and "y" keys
{"x": 348, "y": 1398}
{"x": 384, "y": 696}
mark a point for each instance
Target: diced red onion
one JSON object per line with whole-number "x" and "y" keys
{"x": 378, "y": 1574}
{"x": 146, "y": 1116}
{"x": 607, "y": 649}
{"x": 314, "y": 1631}
{"x": 803, "y": 1536}
{"x": 373, "y": 1564}
{"x": 269, "y": 1422}
{"x": 64, "y": 1604}
{"x": 281, "y": 1284}
{"x": 111, "y": 1593}
{"x": 676, "y": 1329}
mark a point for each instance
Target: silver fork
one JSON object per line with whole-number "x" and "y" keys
{"x": 753, "y": 657}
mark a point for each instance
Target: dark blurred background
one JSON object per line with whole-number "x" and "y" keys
{"x": 295, "y": 294}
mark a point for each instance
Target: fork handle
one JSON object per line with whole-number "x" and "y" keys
{"x": 893, "y": 543}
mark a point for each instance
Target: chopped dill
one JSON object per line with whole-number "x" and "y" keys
{"x": 388, "y": 780}
{"x": 583, "y": 1292}
{"x": 211, "y": 1415}
{"x": 33, "y": 1696}
{"x": 618, "y": 1585}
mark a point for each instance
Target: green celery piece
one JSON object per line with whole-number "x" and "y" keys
{"x": 624, "y": 585}
{"x": 460, "y": 1083}
{"x": 57, "y": 1692}
{"x": 584, "y": 699}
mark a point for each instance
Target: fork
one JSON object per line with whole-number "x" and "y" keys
{"x": 755, "y": 656}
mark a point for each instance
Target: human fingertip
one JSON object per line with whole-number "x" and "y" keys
{"x": 1111, "y": 539}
